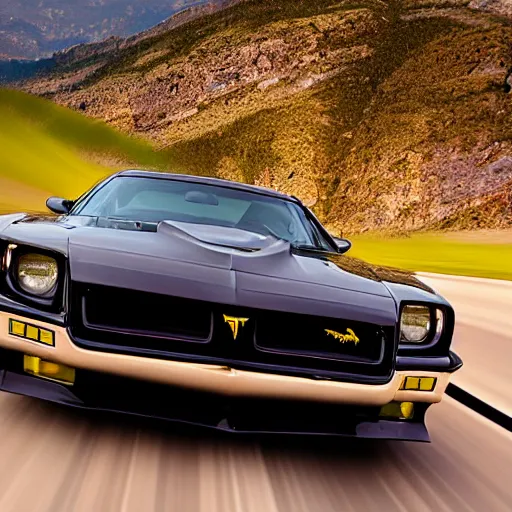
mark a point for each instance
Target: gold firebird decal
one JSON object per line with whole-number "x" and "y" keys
{"x": 344, "y": 338}
{"x": 235, "y": 323}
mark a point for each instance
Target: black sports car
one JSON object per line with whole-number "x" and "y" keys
{"x": 215, "y": 303}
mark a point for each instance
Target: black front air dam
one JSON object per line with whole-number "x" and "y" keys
{"x": 103, "y": 392}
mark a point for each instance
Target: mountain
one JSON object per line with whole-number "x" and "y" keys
{"x": 380, "y": 115}
{"x": 13, "y": 70}
{"x": 32, "y": 29}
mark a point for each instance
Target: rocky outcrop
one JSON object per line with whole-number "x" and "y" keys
{"x": 82, "y": 52}
{"x": 501, "y": 7}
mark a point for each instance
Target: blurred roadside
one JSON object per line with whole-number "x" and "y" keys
{"x": 482, "y": 335}
{"x": 46, "y": 150}
{"x": 485, "y": 253}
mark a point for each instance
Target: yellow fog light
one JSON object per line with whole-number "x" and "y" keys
{"x": 398, "y": 410}
{"x": 16, "y": 328}
{"x": 427, "y": 383}
{"x": 407, "y": 409}
{"x": 48, "y": 370}
{"x": 419, "y": 383}
{"x": 31, "y": 332}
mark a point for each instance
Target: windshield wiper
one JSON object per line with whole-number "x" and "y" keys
{"x": 307, "y": 247}
{"x": 130, "y": 225}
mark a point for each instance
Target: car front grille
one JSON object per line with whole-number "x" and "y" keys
{"x": 310, "y": 336}
{"x": 146, "y": 314}
{"x": 146, "y": 324}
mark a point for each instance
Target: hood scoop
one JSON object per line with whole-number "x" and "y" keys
{"x": 221, "y": 236}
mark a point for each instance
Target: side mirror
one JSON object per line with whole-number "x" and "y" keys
{"x": 59, "y": 205}
{"x": 343, "y": 244}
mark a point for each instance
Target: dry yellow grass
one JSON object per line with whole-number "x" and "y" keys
{"x": 49, "y": 150}
{"x": 468, "y": 254}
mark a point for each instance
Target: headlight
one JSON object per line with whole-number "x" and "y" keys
{"x": 415, "y": 324}
{"x": 37, "y": 274}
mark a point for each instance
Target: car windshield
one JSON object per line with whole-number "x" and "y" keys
{"x": 155, "y": 200}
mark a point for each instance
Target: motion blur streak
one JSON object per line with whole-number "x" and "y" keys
{"x": 482, "y": 335}
{"x": 61, "y": 460}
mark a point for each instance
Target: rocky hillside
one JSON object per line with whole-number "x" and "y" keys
{"x": 34, "y": 28}
{"x": 379, "y": 114}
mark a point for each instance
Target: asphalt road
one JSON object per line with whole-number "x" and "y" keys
{"x": 483, "y": 335}
{"x": 57, "y": 459}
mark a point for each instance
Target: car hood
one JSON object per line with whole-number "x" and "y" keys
{"x": 222, "y": 265}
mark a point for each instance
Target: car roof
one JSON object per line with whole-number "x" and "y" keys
{"x": 208, "y": 181}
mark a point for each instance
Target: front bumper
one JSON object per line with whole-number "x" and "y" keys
{"x": 103, "y": 392}
{"x": 213, "y": 396}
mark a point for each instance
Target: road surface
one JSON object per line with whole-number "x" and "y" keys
{"x": 54, "y": 459}
{"x": 57, "y": 460}
{"x": 483, "y": 335}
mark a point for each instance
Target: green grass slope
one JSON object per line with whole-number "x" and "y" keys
{"x": 482, "y": 254}
{"x": 47, "y": 149}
